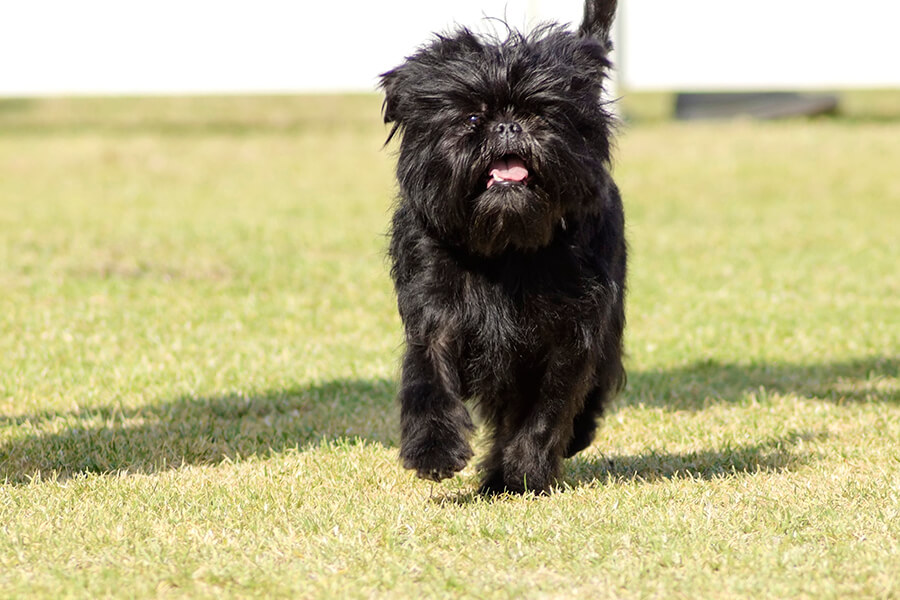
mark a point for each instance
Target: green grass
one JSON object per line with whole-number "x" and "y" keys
{"x": 199, "y": 347}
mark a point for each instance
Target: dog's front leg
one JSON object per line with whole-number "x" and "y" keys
{"x": 435, "y": 424}
{"x": 529, "y": 456}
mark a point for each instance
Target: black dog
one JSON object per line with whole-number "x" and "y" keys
{"x": 508, "y": 248}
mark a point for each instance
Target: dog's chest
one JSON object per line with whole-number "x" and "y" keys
{"x": 517, "y": 315}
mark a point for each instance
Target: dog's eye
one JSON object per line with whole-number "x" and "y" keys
{"x": 474, "y": 119}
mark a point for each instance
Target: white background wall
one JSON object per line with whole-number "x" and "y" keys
{"x": 209, "y": 46}
{"x": 762, "y": 44}
{"x": 165, "y": 46}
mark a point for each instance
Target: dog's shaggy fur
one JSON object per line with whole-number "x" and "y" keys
{"x": 508, "y": 248}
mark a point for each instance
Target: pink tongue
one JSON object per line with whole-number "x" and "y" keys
{"x": 507, "y": 169}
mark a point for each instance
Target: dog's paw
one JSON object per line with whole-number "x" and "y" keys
{"x": 492, "y": 483}
{"x": 525, "y": 468}
{"x": 436, "y": 457}
{"x": 582, "y": 436}
{"x": 495, "y": 482}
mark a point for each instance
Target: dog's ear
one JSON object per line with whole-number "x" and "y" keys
{"x": 598, "y": 20}
{"x": 394, "y": 84}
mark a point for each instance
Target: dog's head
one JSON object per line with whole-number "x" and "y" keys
{"x": 503, "y": 139}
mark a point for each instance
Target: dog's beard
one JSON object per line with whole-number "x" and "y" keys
{"x": 489, "y": 202}
{"x": 518, "y": 200}
{"x": 512, "y": 211}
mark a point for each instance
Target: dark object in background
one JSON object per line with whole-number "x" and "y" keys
{"x": 508, "y": 248}
{"x": 758, "y": 105}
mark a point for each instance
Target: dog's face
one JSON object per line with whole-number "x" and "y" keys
{"x": 502, "y": 140}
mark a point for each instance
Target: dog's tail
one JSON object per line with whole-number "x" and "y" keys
{"x": 598, "y": 20}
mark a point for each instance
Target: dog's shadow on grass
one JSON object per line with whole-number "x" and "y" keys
{"x": 208, "y": 430}
{"x": 195, "y": 430}
{"x": 772, "y": 455}
{"x": 698, "y": 385}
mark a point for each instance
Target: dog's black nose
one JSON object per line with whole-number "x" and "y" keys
{"x": 507, "y": 129}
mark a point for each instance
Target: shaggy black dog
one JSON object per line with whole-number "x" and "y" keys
{"x": 508, "y": 248}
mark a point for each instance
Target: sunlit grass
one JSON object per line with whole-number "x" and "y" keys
{"x": 199, "y": 345}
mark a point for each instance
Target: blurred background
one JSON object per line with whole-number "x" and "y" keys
{"x": 97, "y": 47}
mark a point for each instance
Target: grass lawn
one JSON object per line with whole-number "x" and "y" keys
{"x": 199, "y": 349}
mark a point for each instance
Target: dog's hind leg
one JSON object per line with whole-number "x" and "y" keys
{"x": 585, "y": 424}
{"x": 610, "y": 379}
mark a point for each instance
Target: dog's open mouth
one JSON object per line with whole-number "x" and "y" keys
{"x": 507, "y": 170}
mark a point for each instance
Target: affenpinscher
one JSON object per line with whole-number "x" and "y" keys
{"x": 508, "y": 248}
